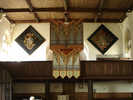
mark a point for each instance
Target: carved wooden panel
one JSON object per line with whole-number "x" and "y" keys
{"x": 89, "y": 70}
{"x": 112, "y": 95}
{"x": 29, "y": 70}
{"x": 119, "y": 69}
{"x": 81, "y": 96}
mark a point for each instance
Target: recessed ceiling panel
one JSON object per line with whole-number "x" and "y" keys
{"x": 21, "y": 16}
{"x": 47, "y": 3}
{"x": 13, "y": 4}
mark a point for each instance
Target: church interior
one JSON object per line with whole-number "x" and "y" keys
{"x": 66, "y": 49}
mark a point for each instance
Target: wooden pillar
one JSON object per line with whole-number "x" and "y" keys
{"x": 90, "y": 90}
{"x": 47, "y": 87}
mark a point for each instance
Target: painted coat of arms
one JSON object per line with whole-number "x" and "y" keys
{"x": 30, "y": 40}
{"x": 102, "y": 39}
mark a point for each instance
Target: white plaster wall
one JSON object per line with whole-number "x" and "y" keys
{"x": 4, "y": 28}
{"x": 113, "y": 87}
{"x": 107, "y": 87}
{"x": 90, "y": 52}
{"x": 43, "y": 53}
{"x": 124, "y": 29}
{"x": 29, "y": 88}
{"x": 16, "y": 53}
{"x": 128, "y": 24}
{"x": 98, "y": 87}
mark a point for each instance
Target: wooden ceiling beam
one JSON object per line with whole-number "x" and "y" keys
{"x": 66, "y": 5}
{"x": 31, "y": 10}
{"x": 36, "y": 17}
{"x": 29, "y": 4}
{"x": 130, "y": 5}
{"x": 99, "y": 9}
{"x": 101, "y": 4}
{"x": 60, "y": 9}
{"x": 11, "y": 21}
{"x": 123, "y": 17}
{"x": 66, "y": 14}
{"x": 85, "y": 20}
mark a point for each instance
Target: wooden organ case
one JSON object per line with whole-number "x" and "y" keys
{"x": 66, "y": 42}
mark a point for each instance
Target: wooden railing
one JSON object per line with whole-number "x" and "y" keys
{"x": 107, "y": 69}
{"x": 89, "y": 70}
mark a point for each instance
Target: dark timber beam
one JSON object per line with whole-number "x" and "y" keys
{"x": 31, "y": 10}
{"x": 36, "y": 17}
{"x": 11, "y": 21}
{"x": 129, "y": 4}
{"x": 66, "y": 5}
{"x": 101, "y": 3}
{"x": 123, "y": 17}
{"x": 29, "y": 4}
{"x": 47, "y": 90}
{"x": 61, "y": 9}
{"x": 90, "y": 90}
{"x": 85, "y": 20}
{"x": 99, "y": 9}
{"x": 66, "y": 14}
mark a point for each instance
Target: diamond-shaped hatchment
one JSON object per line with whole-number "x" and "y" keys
{"x": 102, "y": 39}
{"x": 30, "y": 40}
